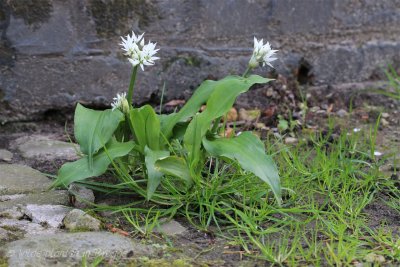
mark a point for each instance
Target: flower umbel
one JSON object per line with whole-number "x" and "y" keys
{"x": 262, "y": 54}
{"x": 120, "y": 103}
{"x": 138, "y": 52}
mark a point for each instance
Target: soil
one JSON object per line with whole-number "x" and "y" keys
{"x": 206, "y": 248}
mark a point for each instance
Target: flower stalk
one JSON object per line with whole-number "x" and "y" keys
{"x": 132, "y": 85}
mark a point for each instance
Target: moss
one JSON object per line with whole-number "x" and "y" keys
{"x": 113, "y": 17}
{"x": 146, "y": 262}
{"x": 193, "y": 61}
{"x": 3, "y": 262}
{"x": 11, "y": 228}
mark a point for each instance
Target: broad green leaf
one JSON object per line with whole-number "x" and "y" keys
{"x": 193, "y": 105}
{"x": 219, "y": 102}
{"x": 249, "y": 151}
{"x": 153, "y": 175}
{"x": 174, "y": 166}
{"x": 94, "y": 128}
{"x": 79, "y": 170}
{"x": 146, "y": 126}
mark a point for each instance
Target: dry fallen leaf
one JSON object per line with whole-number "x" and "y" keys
{"x": 232, "y": 115}
{"x": 175, "y": 102}
{"x": 249, "y": 115}
{"x": 113, "y": 229}
{"x": 269, "y": 112}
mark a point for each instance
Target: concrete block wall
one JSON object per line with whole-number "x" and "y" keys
{"x": 54, "y": 53}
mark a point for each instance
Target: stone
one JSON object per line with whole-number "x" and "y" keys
{"x": 17, "y": 179}
{"x": 68, "y": 249}
{"x": 14, "y": 212}
{"x": 5, "y": 155}
{"x": 5, "y": 198}
{"x": 25, "y": 228}
{"x": 44, "y": 148}
{"x": 3, "y": 234}
{"x": 53, "y": 197}
{"x": 47, "y": 215}
{"x": 78, "y": 220}
{"x": 291, "y": 140}
{"x": 90, "y": 62}
{"x": 82, "y": 197}
{"x": 170, "y": 228}
{"x": 342, "y": 113}
{"x": 384, "y": 122}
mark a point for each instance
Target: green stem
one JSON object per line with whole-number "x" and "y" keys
{"x": 131, "y": 85}
{"x": 246, "y": 72}
{"x": 215, "y": 125}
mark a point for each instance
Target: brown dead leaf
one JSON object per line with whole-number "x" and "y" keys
{"x": 269, "y": 112}
{"x": 113, "y": 229}
{"x": 232, "y": 115}
{"x": 175, "y": 102}
{"x": 330, "y": 108}
{"x": 229, "y": 132}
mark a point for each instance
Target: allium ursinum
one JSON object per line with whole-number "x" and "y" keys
{"x": 130, "y": 44}
{"x": 120, "y": 103}
{"x": 138, "y": 52}
{"x": 262, "y": 54}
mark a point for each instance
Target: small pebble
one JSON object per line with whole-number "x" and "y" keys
{"x": 291, "y": 140}
{"x": 385, "y": 115}
{"x": 78, "y": 220}
{"x": 81, "y": 197}
{"x": 342, "y": 113}
{"x": 5, "y": 155}
{"x": 384, "y": 122}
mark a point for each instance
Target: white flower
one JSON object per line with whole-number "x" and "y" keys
{"x": 131, "y": 43}
{"x": 262, "y": 54}
{"x": 118, "y": 101}
{"x": 144, "y": 57}
{"x": 138, "y": 52}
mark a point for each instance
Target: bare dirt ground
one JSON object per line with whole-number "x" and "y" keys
{"x": 313, "y": 109}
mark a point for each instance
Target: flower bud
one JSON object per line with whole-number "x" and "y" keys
{"x": 253, "y": 63}
{"x": 125, "y": 106}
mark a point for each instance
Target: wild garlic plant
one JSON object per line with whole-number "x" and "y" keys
{"x": 144, "y": 148}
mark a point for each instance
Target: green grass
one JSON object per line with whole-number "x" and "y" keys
{"x": 328, "y": 183}
{"x": 394, "y": 84}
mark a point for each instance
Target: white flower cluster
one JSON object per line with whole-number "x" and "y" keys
{"x": 138, "y": 52}
{"x": 262, "y": 54}
{"x": 118, "y": 101}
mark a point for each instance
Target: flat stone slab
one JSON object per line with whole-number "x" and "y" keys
{"x": 44, "y": 148}
{"x": 53, "y": 197}
{"x": 25, "y": 228}
{"x": 170, "y": 228}
{"x": 50, "y": 215}
{"x": 68, "y": 249}
{"x": 18, "y": 179}
{"x": 5, "y": 155}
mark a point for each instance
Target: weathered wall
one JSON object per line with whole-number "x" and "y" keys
{"x": 54, "y": 53}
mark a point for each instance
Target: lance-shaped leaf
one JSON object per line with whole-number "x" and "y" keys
{"x": 199, "y": 98}
{"x": 79, "y": 170}
{"x": 94, "y": 128}
{"x": 174, "y": 166}
{"x": 146, "y": 126}
{"x": 219, "y": 102}
{"x": 249, "y": 152}
{"x": 154, "y": 176}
